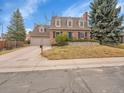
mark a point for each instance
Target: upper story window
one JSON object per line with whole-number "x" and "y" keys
{"x": 81, "y": 23}
{"x": 41, "y": 29}
{"x": 58, "y": 22}
{"x": 69, "y": 23}
{"x": 45, "y": 30}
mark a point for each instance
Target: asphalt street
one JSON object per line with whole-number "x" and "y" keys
{"x": 91, "y": 80}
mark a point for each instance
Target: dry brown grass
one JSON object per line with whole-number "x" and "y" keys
{"x": 2, "y": 52}
{"x": 77, "y": 52}
{"x": 7, "y": 51}
{"x": 120, "y": 46}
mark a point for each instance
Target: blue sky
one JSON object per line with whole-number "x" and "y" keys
{"x": 41, "y": 11}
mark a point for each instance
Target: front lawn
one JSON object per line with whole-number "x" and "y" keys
{"x": 121, "y": 46}
{"x": 11, "y": 50}
{"x": 78, "y": 52}
{"x": 7, "y": 51}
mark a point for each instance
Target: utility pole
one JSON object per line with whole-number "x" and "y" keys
{"x": 2, "y": 31}
{"x": 1, "y": 27}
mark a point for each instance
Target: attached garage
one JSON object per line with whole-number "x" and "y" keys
{"x": 37, "y": 41}
{"x": 40, "y": 36}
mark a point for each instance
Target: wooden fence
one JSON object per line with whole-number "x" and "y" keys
{"x": 10, "y": 44}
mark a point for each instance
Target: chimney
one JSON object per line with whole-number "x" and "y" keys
{"x": 85, "y": 19}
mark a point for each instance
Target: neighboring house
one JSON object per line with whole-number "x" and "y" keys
{"x": 3, "y": 36}
{"x": 40, "y": 35}
{"x": 122, "y": 37}
{"x": 2, "y": 39}
{"x": 73, "y": 27}
{"x": 28, "y": 36}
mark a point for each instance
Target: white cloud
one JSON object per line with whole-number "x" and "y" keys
{"x": 81, "y": 7}
{"x": 27, "y": 8}
{"x": 77, "y": 9}
{"x": 28, "y": 29}
{"x": 122, "y": 8}
{"x": 121, "y": 3}
{"x": 30, "y": 7}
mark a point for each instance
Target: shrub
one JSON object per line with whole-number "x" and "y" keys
{"x": 83, "y": 40}
{"x": 61, "y": 40}
{"x": 27, "y": 42}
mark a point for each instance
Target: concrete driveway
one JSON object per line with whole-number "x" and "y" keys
{"x": 27, "y": 57}
{"x": 24, "y": 54}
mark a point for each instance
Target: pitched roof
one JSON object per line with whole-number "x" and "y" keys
{"x": 64, "y": 25}
{"x": 40, "y": 34}
{"x": 36, "y": 31}
{"x": 65, "y": 28}
{"x": 63, "y": 17}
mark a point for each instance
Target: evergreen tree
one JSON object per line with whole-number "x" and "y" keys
{"x": 16, "y": 30}
{"x": 105, "y": 21}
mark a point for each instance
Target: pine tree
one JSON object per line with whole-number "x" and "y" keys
{"x": 105, "y": 21}
{"x": 16, "y": 30}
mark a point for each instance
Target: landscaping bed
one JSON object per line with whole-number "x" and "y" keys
{"x": 78, "y": 52}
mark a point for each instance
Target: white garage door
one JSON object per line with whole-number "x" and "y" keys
{"x": 37, "y": 41}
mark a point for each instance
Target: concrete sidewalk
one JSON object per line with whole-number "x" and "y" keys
{"x": 44, "y": 64}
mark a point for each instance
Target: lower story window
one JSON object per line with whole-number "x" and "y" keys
{"x": 80, "y": 35}
{"x": 86, "y": 34}
{"x": 58, "y": 33}
{"x": 70, "y": 35}
{"x": 55, "y": 34}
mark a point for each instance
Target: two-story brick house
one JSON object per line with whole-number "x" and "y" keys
{"x": 73, "y": 27}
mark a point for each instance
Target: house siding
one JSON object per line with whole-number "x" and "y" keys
{"x": 75, "y": 35}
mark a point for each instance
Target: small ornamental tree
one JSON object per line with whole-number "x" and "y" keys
{"x": 61, "y": 40}
{"x": 105, "y": 21}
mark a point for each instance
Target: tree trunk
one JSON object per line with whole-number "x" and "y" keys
{"x": 101, "y": 42}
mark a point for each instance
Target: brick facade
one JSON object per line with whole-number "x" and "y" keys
{"x": 70, "y": 25}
